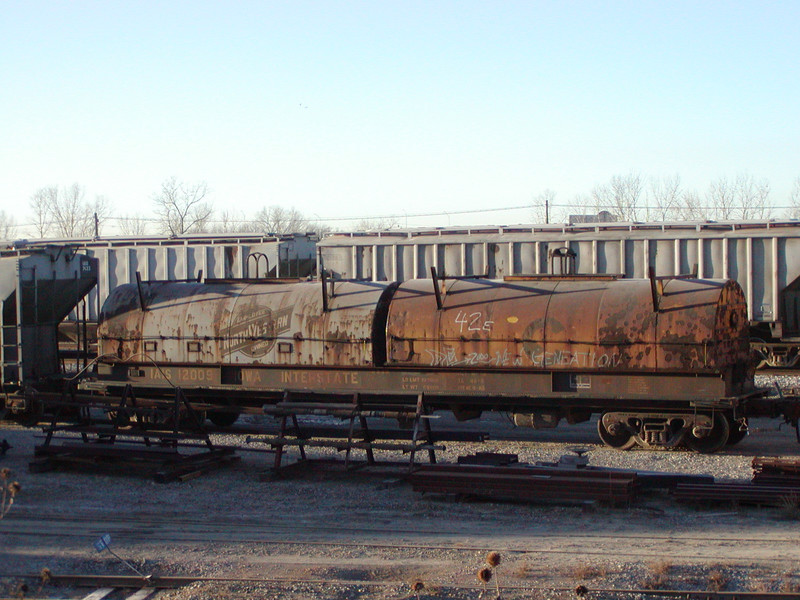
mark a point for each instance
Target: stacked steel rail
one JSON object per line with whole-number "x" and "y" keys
{"x": 773, "y": 470}
{"x": 527, "y": 483}
{"x": 776, "y": 482}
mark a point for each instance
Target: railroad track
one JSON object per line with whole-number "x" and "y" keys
{"x": 155, "y": 529}
{"x": 133, "y": 588}
{"x": 132, "y": 592}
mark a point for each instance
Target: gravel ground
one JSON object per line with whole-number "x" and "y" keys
{"x": 327, "y": 533}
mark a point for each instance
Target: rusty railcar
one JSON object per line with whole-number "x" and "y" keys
{"x": 663, "y": 361}
{"x": 763, "y": 256}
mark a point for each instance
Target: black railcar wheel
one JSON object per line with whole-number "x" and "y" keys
{"x": 621, "y": 441}
{"x": 222, "y": 418}
{"x": 714, "y": 440}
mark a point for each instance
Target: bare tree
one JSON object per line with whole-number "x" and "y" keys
{"x": 752, "y": 197}
{"x": 231, "y": 222}
{"x": 65, "y": 213}
{"x": 692, "y": 208}
{"x": 8, "y": 226}
{"x": 70, "y": 213}
{"x": 133, "y": 225}
{"x": 277, "y": 220}
{"x": 794, "y": 200}
{"x": 581, "y": 204}
{"x": 720, "y": 199}
{"x": 740, "y": 198}
{"x": 543, "y": 206}
{"x": 181, "y": 208}
{"x": 667, "y": 195}
{"x": 40, "y": 204}
{"x": 621, "y": 196}
{"x": 377, "y": 224}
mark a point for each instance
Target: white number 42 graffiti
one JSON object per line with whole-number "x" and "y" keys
{"x": 473, "y": 321}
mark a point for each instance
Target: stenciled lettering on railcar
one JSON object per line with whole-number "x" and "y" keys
{"x": 461, "y": 382}
{"x": 321, "y": 378}
{"x": 160, "y": 373}
{"x": 254, "y": 329}
{"x": 565, "y": 358}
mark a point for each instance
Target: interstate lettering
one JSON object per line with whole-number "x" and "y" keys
{"x": 322, "y": 378}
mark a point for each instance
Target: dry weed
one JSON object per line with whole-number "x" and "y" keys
{"x": 655, "y": 581}
{"x": 9, "y": 490}
{"x": 661, "y": 567}
{"x": 484, "y": 576}
{"x": 789, "y": 586}
{"x": 657, "y": 575}
{"x": 524, "y": 571}
{"x": 789, "y": 509}
{"x": 758, "y": 585}
{"x": 587, "y": 571}
{"x": 493, "y": 560}
{"x": 717, "y": 580}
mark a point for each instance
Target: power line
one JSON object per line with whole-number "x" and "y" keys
{"x": 305, "y": 219}
{"x": 404, "y": 215}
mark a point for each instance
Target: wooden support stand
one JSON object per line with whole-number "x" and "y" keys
{"x": 132, "y": 439}
{"x": 360, "y": 436}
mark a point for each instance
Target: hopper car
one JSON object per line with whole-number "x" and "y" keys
{"x": 38, "y": 288}
{"x": 663, "y": 361}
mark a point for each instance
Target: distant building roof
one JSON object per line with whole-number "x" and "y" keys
{"x": 602, "y": 217}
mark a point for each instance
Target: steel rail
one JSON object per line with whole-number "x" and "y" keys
{"x": 151, "y": 520}
{"x": 170, "y": 582}
{"x": 704, "y": 594}
{"x": 214, "y": 537}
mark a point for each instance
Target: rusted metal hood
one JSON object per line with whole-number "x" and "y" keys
{"x": 568, "y": 324}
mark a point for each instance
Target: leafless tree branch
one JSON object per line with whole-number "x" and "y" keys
{"x": 666, "y": 194}
{"x": 180, "y": 207}
{"x": 543, "y": 206}
{"x": 277, "y": 220}
{"x": 794, "y": 200}
{"x": 8, "y": 226}
{"x": 40, "y": 204}
{"x": 621, "y": 196}
{"x": 65, "y": 213}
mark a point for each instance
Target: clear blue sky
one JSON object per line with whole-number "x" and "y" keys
{"x": 379, "y": 107}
